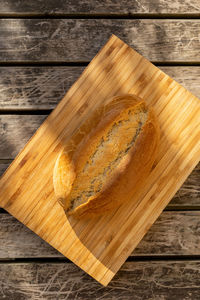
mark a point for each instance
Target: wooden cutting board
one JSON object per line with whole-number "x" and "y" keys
{"x": 100, "y": 246}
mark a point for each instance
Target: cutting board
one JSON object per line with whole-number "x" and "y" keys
{"x": 101, "y": 245}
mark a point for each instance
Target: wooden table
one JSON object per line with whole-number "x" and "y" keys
{"x": 44, "y": 47}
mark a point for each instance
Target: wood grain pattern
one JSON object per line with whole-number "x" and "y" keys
{"x": 99, "y": 246}
{"x": 63, "y": 40}
{"x": 15, "y": 131}
{"x": 189, "y": 193}
{"x": 87, "y": 7}
{"x": 43, "y": 87}
{"x": 3, "y": 167}
{"x": 174, "y": 233}
{"x": 168, "y": 280}
{"x": 36, "y": 87}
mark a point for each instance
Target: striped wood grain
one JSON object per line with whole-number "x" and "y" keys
{"x": 78, "y": 40}
{"x": 166, "y": 280}
{"x": 100, "y": 246}
{"x": 106, "y": 7}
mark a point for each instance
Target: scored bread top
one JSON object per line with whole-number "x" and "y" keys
{"x": 96, "y": 171}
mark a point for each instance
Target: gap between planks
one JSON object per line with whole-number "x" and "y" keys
{"x": 85, "y": 63}
{"x": 141, "y": 258}
{"x": 170, "y": 208}
{"x": 25, "y": 111}
{"x": 112, "y": 16}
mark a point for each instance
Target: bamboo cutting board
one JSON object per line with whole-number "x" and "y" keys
{"x": 100, "y": 246}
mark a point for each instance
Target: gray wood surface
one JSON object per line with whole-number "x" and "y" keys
{"x": 3, "y": 166}
{"x": 35, "y": 87}
{"x": 189, "y": 194}
{"x": 43, "y": 87}
{"x": 71, "y": 40}
{"x": 148, "y": 280}
{"x": 174, "y": 233}
{"x": 15, "y": 131}
{"x": 165, "y": 265}
{"x": 126, "y": 7}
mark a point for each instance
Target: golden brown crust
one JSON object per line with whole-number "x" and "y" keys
{"x": 133, "y": 169}
{"x": 63, "y": 177}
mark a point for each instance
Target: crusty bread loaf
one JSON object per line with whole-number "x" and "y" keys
{"x": 108, "y": 159}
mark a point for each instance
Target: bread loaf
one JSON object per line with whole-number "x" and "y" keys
{"x": 108, "y": 159}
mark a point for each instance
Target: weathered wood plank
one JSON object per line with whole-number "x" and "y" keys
{"x": 136, "y": 280}
{"x": 3, "y": 167}
{"x": 35, "y": 87}
{"x": 43, "y": 87}
{"x": 174, "y": 233}
{"x": 189, "y": 193}
{"x": 71, "y": 40}
{"x": 126, "y": 7}
{"x": 16, "y": 130}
